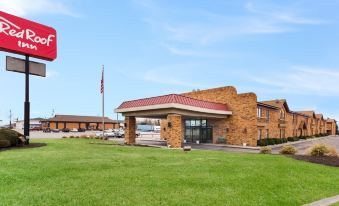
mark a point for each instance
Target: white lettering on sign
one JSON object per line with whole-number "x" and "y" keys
{"x": 10, "y": 29}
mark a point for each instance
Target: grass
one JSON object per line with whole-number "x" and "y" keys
{"x": 74, "y": 172}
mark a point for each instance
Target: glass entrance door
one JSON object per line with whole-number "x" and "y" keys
{"x": 198, "y": 129}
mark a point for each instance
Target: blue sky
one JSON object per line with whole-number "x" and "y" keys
{"x": 277, "y": 49}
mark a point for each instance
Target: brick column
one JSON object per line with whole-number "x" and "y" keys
{"x": 175, "y": 130}
{"x": 130, "y": 130}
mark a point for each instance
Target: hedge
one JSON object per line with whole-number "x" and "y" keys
{"x": 11, "y": 136}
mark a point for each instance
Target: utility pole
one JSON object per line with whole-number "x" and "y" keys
{"x": 10, "y": 119}
{"x": 118, "y": 121}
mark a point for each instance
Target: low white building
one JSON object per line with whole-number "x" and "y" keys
{"x": 33, "y": 124}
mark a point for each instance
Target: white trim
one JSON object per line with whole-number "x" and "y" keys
{"x": 173, "y": 105}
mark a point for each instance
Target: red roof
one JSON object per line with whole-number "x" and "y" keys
{"x": 173, "y": 98}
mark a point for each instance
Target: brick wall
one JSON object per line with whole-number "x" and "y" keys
{"x": 175, "y": 131}
{"x": 241, "y": 126}
{"x": 130, "y": 130}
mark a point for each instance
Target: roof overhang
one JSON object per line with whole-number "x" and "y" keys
{"x": 173, "y": 106}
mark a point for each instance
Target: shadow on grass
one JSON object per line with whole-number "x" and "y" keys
{"x": 30, "y": 146}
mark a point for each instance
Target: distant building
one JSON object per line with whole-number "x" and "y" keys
{"x": 33, "y": 124}
{"x": 331, "y": 126}
{"x": 76, "y": 122}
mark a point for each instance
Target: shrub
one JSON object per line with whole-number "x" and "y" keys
{"x": 10, "y": 135}
{"x": 4, "y": 143}
{"x": 303, "y": 137}
{"x": 266, "y": 150}
{"x": 270, "y": 141}
{"x": 262, "y": 142}
{"x": 283, "y": 140}
{"x": 64, "y": 137}
{"x": 332, "y": 152}
{"x": 290, "y": 139}
{"x": 296, "y": 139}
{"x": 71, "y": 137}
{"x": 319, "y": 150}
{"x": 288, "y": 149}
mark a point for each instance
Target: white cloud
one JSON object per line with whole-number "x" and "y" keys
{"x": 176, "y": 75}
{"x": 36, "y": 7}
{"x": 51, "y": 73}
{"x": 193, "y": 52}
{"x": 210, "y": 27}
{"x": 303, "y": 80}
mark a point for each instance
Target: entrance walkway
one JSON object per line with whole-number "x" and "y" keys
{"x": 325, "y": 202}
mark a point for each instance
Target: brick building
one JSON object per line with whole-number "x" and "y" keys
{"x": 221, "y": 115}
{"x": 75, "y": 122}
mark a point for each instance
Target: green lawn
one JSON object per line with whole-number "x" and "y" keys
{"x": 75, "y": 172}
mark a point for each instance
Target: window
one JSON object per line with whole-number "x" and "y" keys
{"x": 282, "y": 133}
{"x": 259, "y": 134}
{"x": 282, "y": 114}
{"x": 268, "y": 114}
{"x": 259, "y": 112}
{"x": 267, "y": 133}
{"x": 294, "y": 118}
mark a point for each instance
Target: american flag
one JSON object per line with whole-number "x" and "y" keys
{"x": 102, "y": 80}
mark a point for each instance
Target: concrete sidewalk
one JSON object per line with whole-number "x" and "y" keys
{"x": 325, "y": 202}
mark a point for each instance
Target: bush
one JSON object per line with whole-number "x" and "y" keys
{"x": 262, "y": 142}
{"x": 265, "y": 150}
{"x": 303, "y": 137}
{"x": 332, "y": 152}
{"x": 288, "y": 149}
{"x": 295, "y": 139}
{"x": 283, "y": 140}
{"x": 270, "y": 141}
{"x": 4, "y": 143}
{"x": 64, "y": 137}
{"x": 319, "y": 150}
{"x": 71, "y": 137}
{"x": 10, "y": 135}
{"x": 290, "y": 139}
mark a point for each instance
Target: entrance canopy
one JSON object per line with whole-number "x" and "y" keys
{"x": 161, "y": 106}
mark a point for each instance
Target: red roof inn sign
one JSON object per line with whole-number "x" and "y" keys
{"x": 21, "y": 36}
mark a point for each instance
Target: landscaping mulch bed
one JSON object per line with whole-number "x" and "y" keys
{"x": 326, "y": 160}
{"x": 30, "y": 146}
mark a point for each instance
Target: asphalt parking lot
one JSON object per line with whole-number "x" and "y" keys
{"x": 303, "y": 146}
{"x": 148, "y": 136}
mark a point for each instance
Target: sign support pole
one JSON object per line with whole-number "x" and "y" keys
{"x": 103, "y": 102}
{"x": 27, "y": 103}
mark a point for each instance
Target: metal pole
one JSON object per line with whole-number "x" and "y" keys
{"x": 27, "y": 103}
{"x": 103, "y": 102}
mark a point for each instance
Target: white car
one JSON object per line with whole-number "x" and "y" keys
{"x": 74, "y": 130}
{"x": 107, "y": 133}
{"x": 120, "y": 133}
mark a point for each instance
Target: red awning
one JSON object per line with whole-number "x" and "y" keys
{"x": 175, "y": 101}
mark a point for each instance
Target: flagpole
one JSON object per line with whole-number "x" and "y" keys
{"x": 103, "y": 101}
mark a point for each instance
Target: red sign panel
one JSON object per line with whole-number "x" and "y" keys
{"x": 21, "y": 36}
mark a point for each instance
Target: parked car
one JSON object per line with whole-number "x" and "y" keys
{"x": 106, "y": 134}
{"x": 47, "y": 130}
{"x": 66, "y": 130}
{"x": 120, "y": 133}
{"x": 74, "y": 130}
{"x": 55, "y": 130}
{"x": 81, "y": 130}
